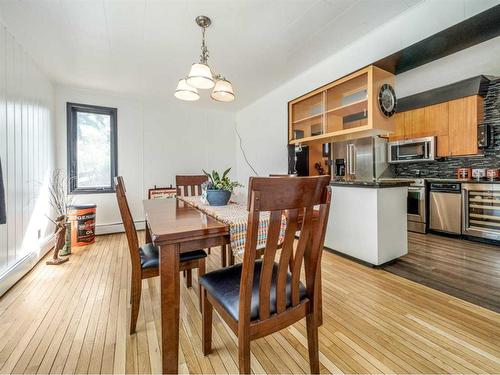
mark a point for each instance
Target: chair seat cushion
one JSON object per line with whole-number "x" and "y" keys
{"x": 150, "y": 256}
{"x": 224, "y": 286}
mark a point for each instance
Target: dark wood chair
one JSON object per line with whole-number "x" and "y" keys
{"x": 145, "y": 258}
{"x": 315, "y": 214}
{"x": 259, "y": 297}
{"x": 188, "y": 186}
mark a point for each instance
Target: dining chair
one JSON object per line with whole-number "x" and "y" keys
{"x": 315, "y": 214}
{"x": 145, "y": 258}
{"x": 259, "y": 297}
{"x": 188, "y": 186}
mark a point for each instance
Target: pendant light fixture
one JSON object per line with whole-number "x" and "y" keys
{"x": 201, "y": 77}
{"x": 186, "y": 92}
{"x": 223, "y": 90}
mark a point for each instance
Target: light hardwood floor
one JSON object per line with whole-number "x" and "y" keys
{"x": 73, "y": 318}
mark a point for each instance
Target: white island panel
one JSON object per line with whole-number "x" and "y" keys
{"x": 368, "y": 224}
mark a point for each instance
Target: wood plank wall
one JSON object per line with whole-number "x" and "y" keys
{"x": 26, "y": 150}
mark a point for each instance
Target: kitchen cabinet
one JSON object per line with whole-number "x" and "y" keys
{"x": 436, "y": 121}
{"x": 464, "y": 116}
{"x": 344, "y": 109}
{"x": 399, "y": 126}
{"x": 415, "y": 123}
{"x": 453, "y": 123}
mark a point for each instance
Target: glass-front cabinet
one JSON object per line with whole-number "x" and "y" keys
{"x": 347, "y": 104}
{"x": 481, "y": 211}
{"x": 340, "y": 109}
{"x": 307, "y": 117}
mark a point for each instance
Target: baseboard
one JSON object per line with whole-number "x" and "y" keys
{"x": 116, "y": 227}
{"x": 13, "y": 274}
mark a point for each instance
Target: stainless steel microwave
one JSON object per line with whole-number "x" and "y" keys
{"x": 412, "y": 150}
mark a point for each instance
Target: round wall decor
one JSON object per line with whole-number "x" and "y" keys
{"x": 387, "y": 100}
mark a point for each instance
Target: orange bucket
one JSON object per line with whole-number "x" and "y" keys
{"x": 82, "y": 218}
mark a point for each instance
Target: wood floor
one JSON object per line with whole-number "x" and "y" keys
{"x": 465, "y": 269}
{"x": 73, "y": 318}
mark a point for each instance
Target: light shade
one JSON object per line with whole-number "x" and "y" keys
{"x": 186, "y": 92}
{"x": 200, "y": 76}
{"x": 223, "y": 91}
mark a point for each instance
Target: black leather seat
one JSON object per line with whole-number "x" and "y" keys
{"x": 150, "y": 255}
{"x": 224, "y": 286}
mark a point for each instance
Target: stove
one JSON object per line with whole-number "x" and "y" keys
{"x": 416, "y": 207}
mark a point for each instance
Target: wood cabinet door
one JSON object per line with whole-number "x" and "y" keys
{"x": 464, "y": 116}
{"x": 399, "y": 133}
{"x": 436, "y": 124}
{"x": 415, "y": 123}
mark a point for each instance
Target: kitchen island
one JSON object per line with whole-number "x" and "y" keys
{"x": 368, "y": 220}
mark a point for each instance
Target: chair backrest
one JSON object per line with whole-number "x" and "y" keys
{"x": 186, "y": 185}
{"x": 128, "y": 223}
{"x": 295, "y": 198}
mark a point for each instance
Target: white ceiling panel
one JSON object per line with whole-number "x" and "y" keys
{"x": 143, "y": 47}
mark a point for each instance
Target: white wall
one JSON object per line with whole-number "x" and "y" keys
{"x": 27, "y": 156}
{"x": 263, "y": 124}
{"x": 156, "y": 141}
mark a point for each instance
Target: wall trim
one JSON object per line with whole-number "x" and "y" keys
{"x": 111, "y": 228}
{"x": 17, "y": 271}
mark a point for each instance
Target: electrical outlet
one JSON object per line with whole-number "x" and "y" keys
{"x": 39, "y": 233}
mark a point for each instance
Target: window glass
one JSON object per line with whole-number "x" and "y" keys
{"x": 93, "y": 150}
{"x": 92, "y": 153}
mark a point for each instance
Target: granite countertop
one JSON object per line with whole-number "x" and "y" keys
{"x": 463, "y": 180}
{"x": 371, "y": 184}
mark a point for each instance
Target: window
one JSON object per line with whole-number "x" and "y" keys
{"x": 92, "y": 154}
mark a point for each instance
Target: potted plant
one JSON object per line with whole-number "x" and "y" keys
{"x": 219, "y": 188}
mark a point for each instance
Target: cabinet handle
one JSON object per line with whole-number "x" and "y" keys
{"x": 348, "y": 166}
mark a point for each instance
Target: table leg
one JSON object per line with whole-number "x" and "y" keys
{"x": 170, "y": 300}
{"x": 230, "y": 255}
{"x": 148, "y": 234}
{"x": 223, "y": 253}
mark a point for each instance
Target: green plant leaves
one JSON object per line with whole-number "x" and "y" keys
{"x": 226, "y": 172}
{"x": 217, "y": 182}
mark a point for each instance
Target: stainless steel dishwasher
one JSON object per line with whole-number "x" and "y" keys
{"x": 445, "y": 204}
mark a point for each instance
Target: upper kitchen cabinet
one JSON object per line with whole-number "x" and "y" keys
{"x": 415, "y": 123}
{"x": 450, "y": 113}
{"x": 347, "y": 104}
{"x": 344, "y": 109}
{"x": 436, "y": 120}
{"x": 464, "y": 116}
{"x": 399, "y": 127}
{"x": 453, "y": 123}
{"x": 307, "y": 117}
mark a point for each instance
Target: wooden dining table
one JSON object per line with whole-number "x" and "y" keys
{"x": 175, "y": 227}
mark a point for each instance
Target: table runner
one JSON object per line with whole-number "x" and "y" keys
{"x": 236, "y": 216}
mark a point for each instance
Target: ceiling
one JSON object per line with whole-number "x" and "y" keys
{"x": 143, "y": 47}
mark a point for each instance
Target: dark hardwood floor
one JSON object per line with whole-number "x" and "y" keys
{"x": 464, "y": 269}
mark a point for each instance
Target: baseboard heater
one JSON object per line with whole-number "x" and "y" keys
{"x": 14, "y": 273}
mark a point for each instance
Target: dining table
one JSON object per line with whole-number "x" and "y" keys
{"x": 184, "y": 224}
{"x": 176, "y": 227}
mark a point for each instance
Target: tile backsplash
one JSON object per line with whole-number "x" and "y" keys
{"x": 446, "y": 167}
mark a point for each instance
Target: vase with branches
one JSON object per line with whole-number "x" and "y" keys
{"x": 60, "y": 201}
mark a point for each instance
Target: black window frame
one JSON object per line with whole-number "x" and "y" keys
{"x": 71, "y": 110}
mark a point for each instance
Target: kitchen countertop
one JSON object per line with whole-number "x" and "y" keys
{"x": 462, "y": 180}
{"x": 371, "y": 184}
